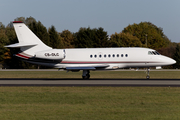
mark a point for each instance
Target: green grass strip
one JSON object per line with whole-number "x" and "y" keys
{"x": 94, "y": 74}
{"x": 89, "y": 103}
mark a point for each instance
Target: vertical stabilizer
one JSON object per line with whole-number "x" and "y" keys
{"x": 28, "y": 41}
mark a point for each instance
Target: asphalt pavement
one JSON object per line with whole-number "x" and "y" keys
{"x": 90, "y": 82}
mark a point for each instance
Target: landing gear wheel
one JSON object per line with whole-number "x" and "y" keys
{"x": 147, "y": 77}
{"x": 148, "y": 70}
{"x": 86, "y": 77}
{"x": 86, "y": 74}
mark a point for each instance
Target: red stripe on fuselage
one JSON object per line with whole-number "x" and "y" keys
{"x": 22, "y": 56}
{"x": 77, "y": 62}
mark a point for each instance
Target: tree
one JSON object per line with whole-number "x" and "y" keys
{"x": 2, "y": 26}
{"x": 101, "y": 38}
{"x": 83, "y": 38}
{"x": 55, "y": 40}
{"x": 3, "y": 41}
{"x": 146, "y": 30}
{"x": 91, "y": 38}
{"x": 177, "y": 57}
{"x": 30, "y": 20}
{"x": 67, "y": 39}
{"x": 169, "y": 50}
{"x": 124, "y": 40}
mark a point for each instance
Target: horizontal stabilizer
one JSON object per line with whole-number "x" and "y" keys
{"x": 18, "y": 45}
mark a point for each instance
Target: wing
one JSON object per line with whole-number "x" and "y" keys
{"x": 87, "y": 67}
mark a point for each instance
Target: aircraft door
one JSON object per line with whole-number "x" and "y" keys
{"x": 64, "y": 53}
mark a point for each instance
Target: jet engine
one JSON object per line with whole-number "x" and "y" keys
{"x": 54, "y": 54}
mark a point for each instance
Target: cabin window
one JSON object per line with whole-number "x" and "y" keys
{"x": 113, "y": 55}
{"x": 100, "y": 56}
{"x": 91, "y": 56}
{"x": 122, "y": 55}
{"x": 109, "y": 55}
{"x": 126, "y": 55}
{"x": 95, "y": 56}
{"x": 117, "y": 55}
{"x": 104, "y": 55}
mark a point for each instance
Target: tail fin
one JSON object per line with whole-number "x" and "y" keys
{"x": 28, "y": 41}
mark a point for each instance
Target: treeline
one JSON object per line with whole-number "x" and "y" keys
{"x": 144, "y": 34}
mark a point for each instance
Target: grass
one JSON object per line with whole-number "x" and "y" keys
{"x": 90, "y": 103}
{"x": 94, "y": 74}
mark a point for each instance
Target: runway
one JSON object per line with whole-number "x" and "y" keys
{"x": 90, "y": 82}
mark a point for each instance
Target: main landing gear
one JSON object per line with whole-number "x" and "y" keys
{"x": 86, "y": 74}
{"x": 148, "y": 77}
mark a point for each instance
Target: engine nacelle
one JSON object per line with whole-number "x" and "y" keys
{"x": 54, "y": 54}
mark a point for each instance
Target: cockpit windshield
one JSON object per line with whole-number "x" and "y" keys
{"x": 157, "y": 53}
{"x": 153, "y": 53}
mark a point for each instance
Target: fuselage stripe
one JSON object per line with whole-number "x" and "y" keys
{"x": 76, "y": 62}
{"x": 22, "y": 56}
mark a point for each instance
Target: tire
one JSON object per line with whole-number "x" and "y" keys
{"x": 147, "y": 77}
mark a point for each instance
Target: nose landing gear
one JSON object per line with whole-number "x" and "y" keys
{"x": 86, "y": 74}
{"x": 148, "y": 70}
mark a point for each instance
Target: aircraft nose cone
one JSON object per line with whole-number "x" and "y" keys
{"x": 167, "y": 60}
{"x": 171, "y": 61}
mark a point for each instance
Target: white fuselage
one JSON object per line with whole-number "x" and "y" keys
{"x": 114, "y": 58}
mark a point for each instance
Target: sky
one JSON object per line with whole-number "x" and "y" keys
{"x": 112, "y": 15}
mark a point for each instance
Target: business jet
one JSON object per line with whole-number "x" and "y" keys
{"x": 33, "y": 50}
